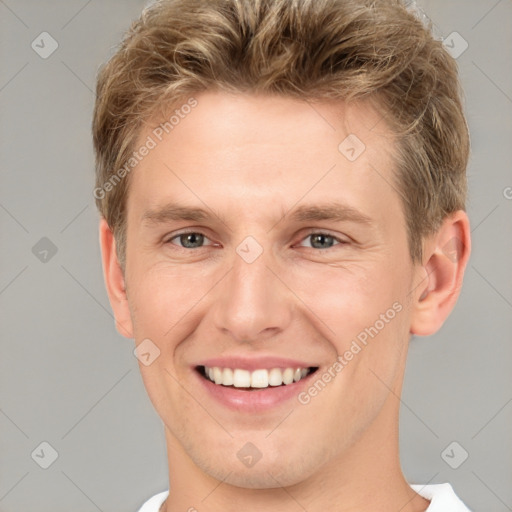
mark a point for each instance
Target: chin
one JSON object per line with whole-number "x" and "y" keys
{"x": 286, "y": 471}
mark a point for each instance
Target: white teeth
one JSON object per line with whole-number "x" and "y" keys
{"x": 275, "y": 377}
{"x": 288, "y": 376}
{"x": 241, "y": 378}
{"x": 217, "y": 375}
{"x": 260, "y": 378}
{"x": 227, "y": 377}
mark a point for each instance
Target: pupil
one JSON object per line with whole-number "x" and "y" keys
{"x": 322, "y": 239}
{"x": 194, "y": 238}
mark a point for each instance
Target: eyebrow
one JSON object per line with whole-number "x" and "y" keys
{"x": 173, "y": 211}
{"x": 333, "y": 211}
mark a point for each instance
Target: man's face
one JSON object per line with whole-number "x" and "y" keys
{"x": 264, "y": 281}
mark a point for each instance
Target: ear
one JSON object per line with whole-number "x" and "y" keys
{"x": 114, "y": 281}
{"x": 446, "y": 254}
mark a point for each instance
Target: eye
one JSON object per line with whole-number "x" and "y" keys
{"x": 189, "y": 240}
{"x": 324, "y": 241}
{"x": 196, "y": 240}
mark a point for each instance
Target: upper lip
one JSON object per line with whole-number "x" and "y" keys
{"x": 254, "y": 363}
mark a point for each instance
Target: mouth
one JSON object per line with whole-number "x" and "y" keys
{"x": 256, "y": 380}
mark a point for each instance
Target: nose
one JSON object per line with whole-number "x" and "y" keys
{"x": 252, "y": 302}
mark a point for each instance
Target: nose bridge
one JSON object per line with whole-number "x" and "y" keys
{"x": 252, "y": 300}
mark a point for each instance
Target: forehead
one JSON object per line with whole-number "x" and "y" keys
{"x": 266, "y": 154}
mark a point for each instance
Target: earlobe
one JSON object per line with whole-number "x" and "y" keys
{"x": 115, "y": 281}
{"x": 445, "y": 258}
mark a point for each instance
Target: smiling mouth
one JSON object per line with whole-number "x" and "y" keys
{"x": 245, "y": 380}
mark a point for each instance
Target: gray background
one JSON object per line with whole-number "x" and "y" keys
{"x": 67, "y": 378}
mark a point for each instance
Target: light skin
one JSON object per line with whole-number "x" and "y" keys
{"x": 251, "y": 161}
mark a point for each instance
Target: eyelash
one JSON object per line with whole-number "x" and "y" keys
{"x": 323, "y": 233}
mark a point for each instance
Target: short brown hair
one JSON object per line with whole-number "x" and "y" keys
{"x": 374, "y": 50}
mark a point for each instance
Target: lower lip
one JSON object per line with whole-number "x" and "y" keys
{"x": 253, "y": 401}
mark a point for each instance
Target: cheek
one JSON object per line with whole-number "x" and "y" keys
{"x": 162, "y": 297}
{"x": 349, "y": 299}
{"x": 162, "y": 302}
{"x": 364, "y": 316}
